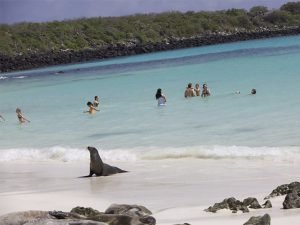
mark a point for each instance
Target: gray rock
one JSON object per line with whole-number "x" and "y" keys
{"x": 267, "y": 204}
{"x": 117, "y": 215}
{"x": 228, "y": 203}
{"x": 218, "y": 206}
{"x": 87, "y": 212}
{"x": 252, "y": 203}
{"x": 21, "y": 218}
{"x": 284, "y": 189}
{"x": 81, "y": 216}
{"x": 131, "y": 210}
{"x": 147, "y": 220}
{"x": 244, "y": 209}
{"x": 259, "y": 220}
{"x": 292, "y": 200}
{"x": 116, "y": 219}
{"x": 64, "y": 222}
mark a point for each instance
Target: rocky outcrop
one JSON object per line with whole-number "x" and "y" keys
{"x": 87, "y": 212}
{"x": 114, "y": 215}
{"x": 131, "y": 210}
{"x": 118, "y": 214}
{"x": 267, "y": 204}
{"x": 284, "y": 189}
{"x": 42, "y": 218}
{"x": 259, "y": 220}
{"x": 42, "y": 59}
{"x": 20, "y": 218}
{"x": 235, "y": 205}
{"x": 292, "y": 200}
{"x": 252, "y": 203}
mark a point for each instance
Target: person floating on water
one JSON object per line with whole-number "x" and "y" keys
{"x": 96, "y": 101}
{"x": 253, "y": 91}
{"x": 92, "y": 108}
{"x": 161, "y": 99}
{"x": 20, "y": 116}
{"x": 205, "y": 91}
{"x": 189, "y": 91}
{"x": 197, "y": 89}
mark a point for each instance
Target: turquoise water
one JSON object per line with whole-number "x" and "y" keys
{"x": 131, "y": 126}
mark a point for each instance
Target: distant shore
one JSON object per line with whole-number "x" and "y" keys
{"x": 44, "y": 59}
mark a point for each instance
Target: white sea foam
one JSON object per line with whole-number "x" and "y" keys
{"x": 3, "y": 77}
{"x": 20, "y": 77}
{"x": 33, "y": 154}
{"x": 66, "y": 154}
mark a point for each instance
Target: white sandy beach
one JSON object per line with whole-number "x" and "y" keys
{"x": 176, "y": 191}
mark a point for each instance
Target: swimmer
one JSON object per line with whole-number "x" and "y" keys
{"x": 197, "y": 89}
{"x": 96, "y": 101}
{"x": 189, "y": 91}
{"x": 253, "y": 91}
{"x": 161, "y": 99}
{"x": 20, "y": 116}
{"x": 2, "y": 118}
{"x": 92, "y": 109}
{"x": 205, "y": 91}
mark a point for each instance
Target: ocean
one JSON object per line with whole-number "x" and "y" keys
{"x": 130, "y": 126}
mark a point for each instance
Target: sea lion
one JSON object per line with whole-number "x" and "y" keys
{"x": 98, "y": 167}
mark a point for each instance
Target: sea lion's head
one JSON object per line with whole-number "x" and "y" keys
{"x": 92, "y": 150}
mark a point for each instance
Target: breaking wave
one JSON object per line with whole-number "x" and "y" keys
{"x": 67, "y": 154}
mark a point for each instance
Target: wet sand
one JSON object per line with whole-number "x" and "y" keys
{"x": 176, "y": 191}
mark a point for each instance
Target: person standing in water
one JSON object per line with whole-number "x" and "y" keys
{"x": 20, "y": 116}
{"x": 205, "y": 91}
{"x": 92, "y": 108}
{"x": 189, "y": 91}
{"x": 161, "y": 99}
{"x": 96, "y": 102}
{"x": 197, "y": 89}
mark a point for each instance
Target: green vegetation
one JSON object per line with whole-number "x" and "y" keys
{"x": 23, "y": 38}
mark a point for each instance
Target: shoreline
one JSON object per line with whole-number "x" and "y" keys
{"x": 38, "y": 60}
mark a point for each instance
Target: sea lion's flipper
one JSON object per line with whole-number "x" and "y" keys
{"x": 120, "y": 170}
{"x": 84, "y": 176}
{"x": 90, "y": 175}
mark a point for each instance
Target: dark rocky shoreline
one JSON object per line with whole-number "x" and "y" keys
{"x": 44, "y": 59}
{"x": 124, "y": 214}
